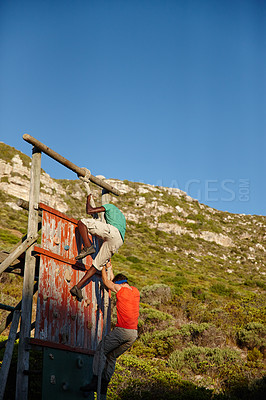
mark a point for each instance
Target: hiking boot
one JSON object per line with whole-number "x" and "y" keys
{"x": 75, "y": 291}
{"x": 92, "y": 386}
{"x": 85, "y": 252}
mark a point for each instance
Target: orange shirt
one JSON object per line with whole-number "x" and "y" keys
{"x": 127, "y": 306}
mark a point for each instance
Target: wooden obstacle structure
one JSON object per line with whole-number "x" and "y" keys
{"x": 66, "y": 330}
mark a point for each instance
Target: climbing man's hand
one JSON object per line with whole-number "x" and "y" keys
{"x": 87, "y": 186}
{"x": 86, "y": 180}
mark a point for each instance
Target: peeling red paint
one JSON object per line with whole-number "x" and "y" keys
{"x": 61, "y": 319}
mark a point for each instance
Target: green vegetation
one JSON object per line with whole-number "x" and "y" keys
{"x": 8, "y": 152}
{"x": 203, "y": 305}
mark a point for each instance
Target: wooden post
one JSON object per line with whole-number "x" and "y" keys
{"x": 105, "y": 200}
{"x": 28, "y": 282}
{"x": 8, "y": 353}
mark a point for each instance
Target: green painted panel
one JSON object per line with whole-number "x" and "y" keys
{"x": 63, "y": 374}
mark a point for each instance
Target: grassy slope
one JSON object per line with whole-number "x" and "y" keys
{"x": 211, "y": 332}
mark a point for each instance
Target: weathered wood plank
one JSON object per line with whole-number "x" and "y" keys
{"x": 28, "y": 282}
{"x": 8, "y": 353}
{"x": 18, "y": 251}
{"x": 6, "y": 307}
{"x": 8, "y": 320}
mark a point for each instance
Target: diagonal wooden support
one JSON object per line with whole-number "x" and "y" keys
{"x": 3, "y": 344}
{"x": 8, "y": 320}
{"x": 8, "y": 353}
{"x": 18, "y": 251}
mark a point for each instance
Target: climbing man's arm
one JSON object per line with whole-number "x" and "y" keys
{"x": 92, "y": 210}
{"x": 107, "y": 282}
{"x": 86, "y": 181}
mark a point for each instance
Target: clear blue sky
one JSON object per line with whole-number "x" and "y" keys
{"x": 168, "y": 92}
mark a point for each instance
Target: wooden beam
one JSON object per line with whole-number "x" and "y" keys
{"x": 62, "y": 160}
{"x": 54, "y": 345}
{"x": 25, "y": 205}
{"x": 51, "y": 210}
{"x": 6, "y": 307}
{"x": 50, "y": 254}
{"x": 3, "y": 344}
{"x": 18, "y": 251}
{"x": 8, "y": 353}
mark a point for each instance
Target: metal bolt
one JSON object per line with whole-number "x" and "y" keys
{"x": 80, "y": 362}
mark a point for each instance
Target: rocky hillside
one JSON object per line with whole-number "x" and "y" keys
{"x": 201, "y": 272}
{"x": 185, "y": 230}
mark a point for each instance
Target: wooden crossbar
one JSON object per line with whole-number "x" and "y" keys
{"x": 62, "y": 160}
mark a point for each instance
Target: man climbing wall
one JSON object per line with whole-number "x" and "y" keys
{"x": 122, "y": 337}
{"x": 112, "y": 233}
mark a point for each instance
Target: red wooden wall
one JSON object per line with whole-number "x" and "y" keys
{"x": 61, "y": 319}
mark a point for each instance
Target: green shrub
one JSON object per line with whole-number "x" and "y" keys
{"x": 168, "y": 217}
{"x": 254, "y": 355}
{"x": 239, "y": 382}
{"x": 134, "y": 259}
{"x": 158, "y": 343}
{"x": 7, "y": 237}
{"x": 198, "y": 293}
{"x": 192, "y": 330}
{"x": 138, "y": 379}
{"x": 203, "y": 334}
{"x": 150, "y": 317}
{"x": 221, "y": 289}
{"x": 201, "y": 360}
{"x": 156, "y": 294}
{"x": 252, "y": 335}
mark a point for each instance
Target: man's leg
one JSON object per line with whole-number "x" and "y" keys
{"x": 126, "y": 337}
{"x": 76, "y": 290}
{"x": 88, "y": 246}
{"x": 95, "y": 228}
{"x": 104, "y": 360}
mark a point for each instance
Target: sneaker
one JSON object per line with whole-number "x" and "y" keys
{"x": 75, "y": 291}
{"x": 91, "y": 387}
{"x": 85, "y": 252}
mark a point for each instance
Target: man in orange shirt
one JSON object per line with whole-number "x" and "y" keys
{"x": 122, "y": 336}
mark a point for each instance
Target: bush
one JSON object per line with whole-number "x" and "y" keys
{"x": 140, "y": 379}
{"x": 202, "y": 360}
{"x": 159, "y": 343}
{"x": 221, "y": 290}
{"x": 252, "y": 335}
{"x": 156, "y": 294}
{"x": 204, "y": 334}
{"x": 150, "y": 317}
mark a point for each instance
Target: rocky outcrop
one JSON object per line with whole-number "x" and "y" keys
{"x": 151, "y": 204}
